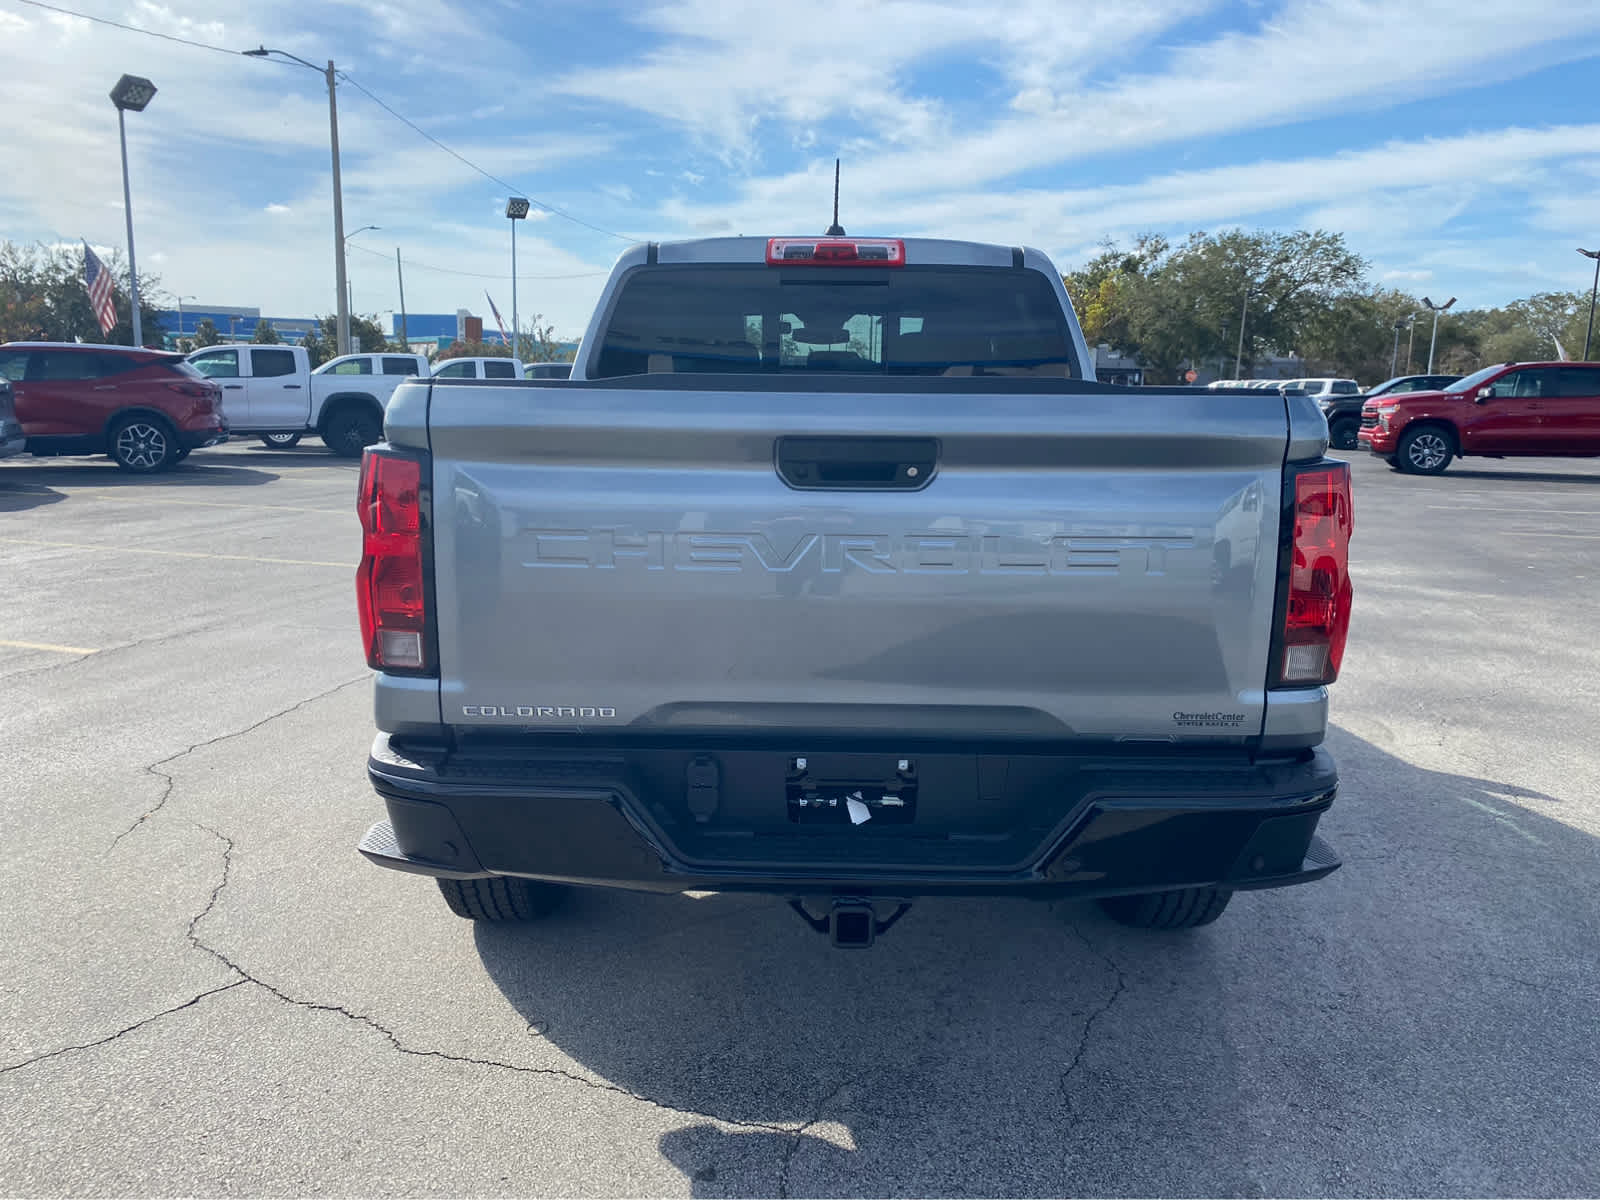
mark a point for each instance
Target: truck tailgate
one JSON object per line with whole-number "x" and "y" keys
{"x": 1096, "y": 565}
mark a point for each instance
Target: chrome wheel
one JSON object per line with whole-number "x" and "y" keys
{"x": 142, "y": 446}
{"x": 280, "y": 441}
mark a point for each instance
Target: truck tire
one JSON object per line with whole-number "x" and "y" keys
{"x": 351, "y": 429}
{"x": 1426, "y": 450}
{"x": 499, "y": 898}
{"x": 1186, "y": 908}
{"x": 280, "y": 441}
{"x": 143, "y": 444}
{"x": 1342, "y": 433}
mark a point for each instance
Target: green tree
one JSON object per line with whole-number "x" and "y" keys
{"x": 538, "y": 343}
{"x": 363, "y": 330}
{"x": 319, "y": 350}
{"x": 205, "y": 333}
{"x": 42, "y": 297}
{"x": 265, "y": 334}
{"x": 475, "y": 350}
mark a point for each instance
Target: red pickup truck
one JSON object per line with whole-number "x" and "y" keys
{"x": 1509, "y": 410}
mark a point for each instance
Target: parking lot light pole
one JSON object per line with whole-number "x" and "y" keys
{"x": 341, "y": 284}
{"x": 516, "y": 210}
{"x": 1595, "y": 287}
{"x": 1437, "y": 309}
{"x": 349, "y": 288}
{"x": 1394, "y": 357}
{"x": 131, "y": 94}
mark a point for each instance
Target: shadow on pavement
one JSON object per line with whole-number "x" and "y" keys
{"x": 102, "y": 473}
{"x": 1456, "y": 472}
{"x": 20, "y": 499}
{"x": 1416, "y": 1023}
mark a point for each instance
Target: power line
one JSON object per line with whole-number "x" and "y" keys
{"x": 166, "y": 37}
{"x": 422, "y": 266}
{"x": 511, "y": 189}
{"x": 359, "y": 86}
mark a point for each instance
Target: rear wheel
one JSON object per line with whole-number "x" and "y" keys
{"x": 351, "y": 430}
{"x": 1426, "y": 451}
{"x": 280, "y": 441}
{"x": 1186, "y": 908}
{"x": 499, "y": 898}
{"x": 144, "y": 445}
{"x": 1342, "y": 433}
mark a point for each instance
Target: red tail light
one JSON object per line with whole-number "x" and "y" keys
{"x": 1317, "y": 609}
{"x": 390, "y": 583}
{"x": 836, "y": 252}
{"x": 196, "y": 389}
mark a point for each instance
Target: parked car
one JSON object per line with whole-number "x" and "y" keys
{"x": 12, "y": 441}
{"x": 480, "y": 368}
{"x": 272, "y": 392}
{"x": 145, "y": 408}
{"x": 739, "y": 608}
{"x": 1510, "y": 410}
{"x": 1344, "y": 411}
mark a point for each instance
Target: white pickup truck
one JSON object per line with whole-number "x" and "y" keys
{"x": 271, "y": 392}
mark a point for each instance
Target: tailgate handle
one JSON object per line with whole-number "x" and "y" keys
{"x": 857, "y": 463}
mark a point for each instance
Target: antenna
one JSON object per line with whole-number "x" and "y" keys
{"x": 836, "y": 229}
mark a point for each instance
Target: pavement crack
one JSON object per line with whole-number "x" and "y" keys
{"x": 1119, "y": 985}
{"x": 123, "y": 1032}
{"x": 796, "y": 1138}
{"x": 394, "y": 1039}
{"x": 155, "y": 767}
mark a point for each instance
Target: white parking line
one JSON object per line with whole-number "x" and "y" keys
{"x": 1523, "y": 512}
{"x": 47, "y": 646}
{"x": 287, "y": 562}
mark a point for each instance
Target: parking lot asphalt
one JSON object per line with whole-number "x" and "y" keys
{"x": 207, "y": 991}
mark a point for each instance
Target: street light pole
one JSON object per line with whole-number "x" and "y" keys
{"x": 1394, "y": 357}
{"x": 1238, "y": 356}
{"x": 1411, "y": 339}
{"x": 1437, "y": 309}
{"x": 1588, "y": 333}
{"x": 132, "y": 92}
{"x": 516, "y": 210}
{"x": 341, "y": 283}
{"x": 349, "y": 288}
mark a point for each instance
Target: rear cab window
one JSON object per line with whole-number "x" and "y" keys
{"x": 400, "y": 366}
{"x": 269, "y": 364}
{"x": 351, "y": 366}
{"x": 911, "y": 320}
{"x": 457, "y": 370}
{"x": 218, "y": 364}
{"x": 499, "y": 370}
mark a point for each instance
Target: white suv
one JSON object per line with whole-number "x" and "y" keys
{"x": 1322, "y": 390}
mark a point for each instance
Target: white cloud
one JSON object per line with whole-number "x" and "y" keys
{"x": 277, "y": 209}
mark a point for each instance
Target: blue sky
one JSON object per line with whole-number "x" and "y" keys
{"x": 1455, "y": 144}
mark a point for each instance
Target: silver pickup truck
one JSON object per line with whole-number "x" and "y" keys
{"x": 832, "y": 574}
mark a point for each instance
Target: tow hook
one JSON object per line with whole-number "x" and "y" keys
{"x": 852, "y": 922}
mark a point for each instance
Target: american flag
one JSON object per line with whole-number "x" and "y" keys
{"x": 497, "y": 319}
{"x": 97, "y": 282}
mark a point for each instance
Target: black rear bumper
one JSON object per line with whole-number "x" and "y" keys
{"x": 984, "y": 822}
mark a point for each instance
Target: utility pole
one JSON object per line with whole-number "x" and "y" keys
{"x": 400, "y": 276}
{"x": 341, "y": 285}
{"x": 341, "y": 282}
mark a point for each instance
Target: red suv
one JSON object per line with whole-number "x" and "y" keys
{"x": 1504, "y": 411}
{"x": 144, "y": 408}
